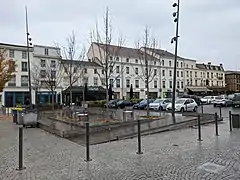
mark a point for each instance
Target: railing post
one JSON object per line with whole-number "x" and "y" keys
{"x": 220, "y": 112}
{"x": 20, "y": 149}
{"x": 87, "y": 141}
{"x": 230, "y": 120}
{"x": 216, "y": 124}
{"x": 199, "y": 129}
{"x": 139, "y": 138}
{"x": 202, "y": 108}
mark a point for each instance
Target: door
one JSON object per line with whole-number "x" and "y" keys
{"x": 187, "y": 105}
{"x": 192, "y": 104}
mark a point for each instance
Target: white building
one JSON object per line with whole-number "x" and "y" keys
{"x": 16, "y": 91}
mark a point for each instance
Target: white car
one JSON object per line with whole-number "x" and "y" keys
{"x": 184, "y": 104}
{"x": 220, "y": 101}
{"x": 207, "y": 99}
{"x": 159, "y": 104}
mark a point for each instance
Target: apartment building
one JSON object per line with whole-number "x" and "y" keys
{"x": 16, "y": 91}
{"x": 232, "y": 79}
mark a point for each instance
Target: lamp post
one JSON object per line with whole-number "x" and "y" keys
{"x": 28, "y": 58}
{"x": 176, "y": 20}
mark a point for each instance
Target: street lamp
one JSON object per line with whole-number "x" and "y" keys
{"x": 175, "y": 39}
{"x": 29, "y": 43}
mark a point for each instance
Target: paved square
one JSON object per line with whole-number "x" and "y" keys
{"x": 175, "y": 155}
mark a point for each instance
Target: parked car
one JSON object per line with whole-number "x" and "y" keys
{"x": 236, "y": 100}
{"x": 112, "y": 103}
{"x": 222, "y": 101}
{"x": 196, "y": 98}
{"x": 207, "y": 99}
{"x": 159, "y": 104}
{"x": 124, "y": 103}
{"x": 142, "y": 104}
{"x": 184, "y": 104}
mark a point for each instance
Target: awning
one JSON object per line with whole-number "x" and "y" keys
{"x": 199, "y": 89}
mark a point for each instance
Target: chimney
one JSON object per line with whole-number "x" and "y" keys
{"x": 221, "y": 65}
{"x": 209, "y": 63}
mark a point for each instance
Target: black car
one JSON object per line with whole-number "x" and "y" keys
{"x": 196, "y": 98}
{"x": 124, "y": 103}
{"x": 236, "y": 101}
{"x": 112, "y": 103}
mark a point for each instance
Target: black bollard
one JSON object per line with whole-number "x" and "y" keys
{"x": 87, "y": 143}
{"x": 220, "y": 112}
{"x": 139, "y": 139}
{"x": 20, "y": 149}
{"x": 199, "y": 129}
{"x": 230, "y": 120}
{"x": 216, "y": 124}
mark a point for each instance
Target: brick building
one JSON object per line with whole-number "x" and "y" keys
{"x": 232, "y": 79}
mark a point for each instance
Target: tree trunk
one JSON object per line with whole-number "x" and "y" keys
{"x": 70, "y": 89}
{"x": 147, "y": 97}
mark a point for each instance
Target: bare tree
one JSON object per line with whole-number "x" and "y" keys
{"x": 72, "y": 63}
{"x": 105, "y": 53}
{"x": 147, "y": 57}
{"x": 36, "y": 79}
{"x": 51, "y": 76}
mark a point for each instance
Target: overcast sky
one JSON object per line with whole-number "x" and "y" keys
{"x": 209, "y": 29}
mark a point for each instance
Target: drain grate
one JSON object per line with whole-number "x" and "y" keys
{"x": 211, "y": 167}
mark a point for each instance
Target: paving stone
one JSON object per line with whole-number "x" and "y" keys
{"x": 175, "y": 155}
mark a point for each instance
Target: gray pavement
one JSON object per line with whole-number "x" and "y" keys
{"x": 175, "y": 155}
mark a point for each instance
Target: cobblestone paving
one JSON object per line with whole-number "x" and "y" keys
{"x": 175, "y": 155}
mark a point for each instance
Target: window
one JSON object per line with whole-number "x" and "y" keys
{"x": 118, "y": 83}
{"x": 12, "y": 82}
{"x": 117, "y": 69}
{"x": 211, "y": 75}
{"x": 43, "y": 63}
{"x": 190, "y": 73}
{"x": 177, "y": 73}
{"x": 24, "y": 67}
{"x": 155, "y": 72}
{"x": 95, "y": 81}
{"x": 177, "y": 63}
{"x": 85, "y": 80}
{"x": 155, "y": 84}
{"x": 170, "y": 73}
{"x": 164, "y": 84}
{"x": 136, "y": 70}
{"x": 127, "y": 83}
{"x": 102, "y": 71}
{"x": 43, "y": 73}
{"x": 53, "y": 74}
{"x": 24, "y": 80}
{"x": 95, "y": 71}
{"x": 127, "y": 70}
{"x": 127, "y": 59}
{"x": 187, "y": 74}
{"x": 11, "y": 53}
{"x": 163, "y": 72}
{"x": 111, "y": 82}
{"x": 136, "y": 83}
{"x": 195, "y": 74}
{"x": 196, "y": 82}
{"x": 170, "y": 84}
{"x": 136, "y": 61}
{"x": 207, "y": 74}
{"x": 111, "y": 69}
{"x": 182, "y": 85}
{"x": 192, "y": 66}
{"x": 181, "y": 64}
{"x": 181, "y": 73}
{"x": 162, "y": 62}
{"x": 85, "y": 70}
{"x": 111, "y": 58}
{"x": 103, "y": 81}
{"x": 24, "y": 55}
{"x": 170, "y": 63}
{"x": 187, "y": 65}
{"x": 178, "y": 85}
{"x": 53, "y": 64}
{"x": 155, "y": 62}
{"x": 117, "y": 58}
{"x": 75, "y": 70}
{"x": 46, "y": 51}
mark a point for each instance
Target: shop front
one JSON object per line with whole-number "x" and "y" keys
{"x": 12, "y": 99}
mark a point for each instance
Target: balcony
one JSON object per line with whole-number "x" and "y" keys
{"x": 220, "y": 78}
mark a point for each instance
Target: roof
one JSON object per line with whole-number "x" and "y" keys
{"x": 14, "y": 45}
{"x": 83, "y": 63}
{"x": 127, "y": 52}
{"x": 232, "y": 72}
{"x": 161, "y": 52}
{"x": 210, "y": 67}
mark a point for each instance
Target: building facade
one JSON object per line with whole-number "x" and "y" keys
{"x": 232, "y": 79}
